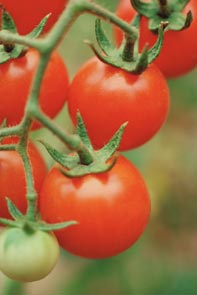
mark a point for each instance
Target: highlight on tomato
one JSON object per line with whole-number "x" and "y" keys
{"x": 27, "y": 256}
{"x": 16, "y": 77}
{"x": 112, "y": 209}
{"x": 12, "y": 177}
{"x": 107, "y": 97}
{"x": 178, "y": 55}
{"x": 27, "y": 14}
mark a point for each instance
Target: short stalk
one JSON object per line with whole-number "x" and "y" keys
{"x": 164, "y": 8}
{"x": 128, "y": 51}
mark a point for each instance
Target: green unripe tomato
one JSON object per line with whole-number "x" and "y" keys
{"x": 27, "y": 256}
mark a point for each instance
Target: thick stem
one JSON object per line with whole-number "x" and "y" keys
{"x": 128, "y": 50}
{"x": 164, "y": 8}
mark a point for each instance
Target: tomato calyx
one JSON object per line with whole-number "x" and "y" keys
{"x": 127, "y": 56}
{"x": 21, "y": 221}
{"x": 72, "y": 165}
{"x": 164, "y": 10}
{"x": 12, "y": 50}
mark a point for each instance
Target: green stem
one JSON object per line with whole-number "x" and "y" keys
{"x": 22, "y": 149}
{"x": 45, "y": 46}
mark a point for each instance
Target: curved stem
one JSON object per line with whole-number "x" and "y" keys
{"x": 45, "y": 46}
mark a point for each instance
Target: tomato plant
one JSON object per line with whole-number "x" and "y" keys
{"x": 12, "y": 177}
{"x": 27, "y": 14}
{"x": 178, "y": 54}
{"x": 112, "y": 209}
{"x": 27, "y": 256}
{"x": 15, "y": 80}
{"x": 107, "y": 97}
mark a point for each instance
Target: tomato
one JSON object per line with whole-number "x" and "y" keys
{"x": 15, "y": 80}
{"x": 12, "y": 177}
{"x": 112, "y": 209}
{"x": 107, "y": 97}
{"x": 27, "y": 257}
{"x": 27, "y": 14}
{"x": 179, "y": 52}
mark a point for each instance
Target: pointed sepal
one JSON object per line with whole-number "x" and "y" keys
{"x": 13, "y": 210}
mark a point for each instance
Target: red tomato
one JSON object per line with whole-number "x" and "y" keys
{"x": 27, "y": 14}
{"x": 12, "y": 177}
{"x": 107, "y": 97}
{"x": 179, "y": 53}
{"x": 112, "y": 209}
{"x": 15, "y": 80}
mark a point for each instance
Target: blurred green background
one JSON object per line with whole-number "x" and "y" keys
{"x": 164, "y": 260}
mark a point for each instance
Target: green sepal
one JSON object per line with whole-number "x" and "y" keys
{"x": 93, "y": 168}
{"x": 154, "y": 51}
{"x": 106, "y": 152}
{"x": 10, "y": 51}
{"x": 104, "y": 42}
{"x": 54, "y": 226}
{"x": 143, "y": 8}
{"x": 7, "y": 22}
{"x": 13, "y": 210}
{"x": 68, "y": 161}
{"x": 39, "y": 28}
{"x": 127, "y": 56}
{"x": 102, "y": 160}
{"x": 9, "y": 222}
{"x": 82, "y": 132}
{"x": 170, "y": 12}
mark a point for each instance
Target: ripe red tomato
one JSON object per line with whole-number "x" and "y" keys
{"x": 107, "y": 97}
{"x": 179, "y": 52}
{"x": 15, "y": 80}
{"x": 112, "y": 209}
{"x": 27, "y": 14}
{"x": 12, "y": 177}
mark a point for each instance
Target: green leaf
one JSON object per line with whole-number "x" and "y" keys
{"x": 14, "y": 212}
{"x": 68, "y": 161}
{"x": 142, "y": 61}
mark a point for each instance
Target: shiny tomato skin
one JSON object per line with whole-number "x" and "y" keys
{"x": 15, "y": 81}
{"x": 179, "y": 53}
{"x": 12, "y": 177}
{"x": 112, "y": 209}
{"x": 28, "y": 14}
{"x": 107, "y": 97}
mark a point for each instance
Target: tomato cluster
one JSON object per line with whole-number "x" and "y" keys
{"x": 111, "y": 207}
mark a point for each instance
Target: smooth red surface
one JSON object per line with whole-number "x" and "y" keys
{"x": 112, "y": 209}
{"x": 28, "y": 13}
{"x": 179, "y": 53}
{"x": 12, "y": 177}
{"x": 15, "y": 81}
{"x": 107, "y": 97}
